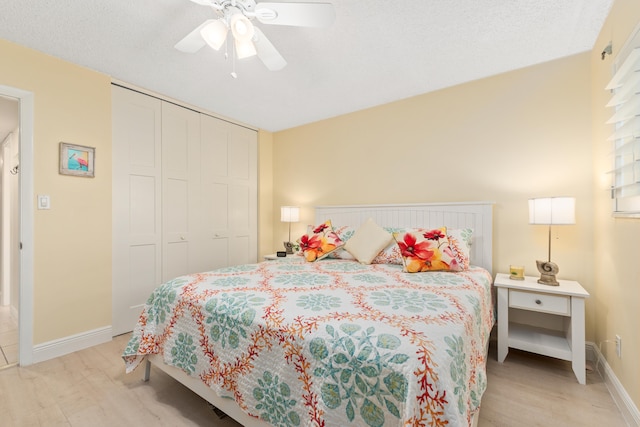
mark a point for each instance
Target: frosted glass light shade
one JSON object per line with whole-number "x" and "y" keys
{"x": 245, "y": 49}
{"x": 215, "y": 33}
{"x": 289, "y": 214}
{"x": 241, "y": 27}
{"x": 552, "y": 211}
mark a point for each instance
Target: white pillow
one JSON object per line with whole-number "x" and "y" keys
{"x": 368, "y": 241}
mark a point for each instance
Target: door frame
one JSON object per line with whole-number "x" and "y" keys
{"x": 25, "y": 304}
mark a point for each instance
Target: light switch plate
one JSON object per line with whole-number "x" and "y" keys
{"x": 44, "y": 202}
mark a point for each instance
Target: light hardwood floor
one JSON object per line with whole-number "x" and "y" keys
{"x": 90, "y": 388}
{"x": 8, "y": 338}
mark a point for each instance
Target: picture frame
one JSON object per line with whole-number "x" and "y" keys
{"x": 77, "y": 160}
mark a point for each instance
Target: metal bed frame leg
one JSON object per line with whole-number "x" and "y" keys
{"x": 147, "y": 371}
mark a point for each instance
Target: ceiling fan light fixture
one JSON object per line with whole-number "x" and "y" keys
{"x": 245, "y": 49}
{"x": 238, "y": 17}
{"x": 241, "y": 27}
{"x": 215, "y": 33}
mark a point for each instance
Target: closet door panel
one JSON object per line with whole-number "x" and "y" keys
{"x": 243, "y": 161}
{"x": 215, "y": 200}
{"x": 238, "y": 209}
{"x": 177, "y": 213}
{"x": 143, "y": 269}
{"x": 181, "y": 209}
{"x": 144, "y": 153}
{"x": 176, "y": 262}
{"x": 240, "y": 250}
{"x": 239, "y": 159}
{"x": 217, "y": 254}
{"x": 142, "y": 214}
{"x": 136, "y": 199}
{"x": 215, "y": 191}
{"x": 230, "y": 188}
{"x": 214, "y": 146}
{"x": 239, "y": 202}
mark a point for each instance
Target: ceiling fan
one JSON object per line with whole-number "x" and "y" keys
{"x": 237, "y": 16}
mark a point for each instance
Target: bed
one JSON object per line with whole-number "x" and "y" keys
{"x": 336, "y": 341}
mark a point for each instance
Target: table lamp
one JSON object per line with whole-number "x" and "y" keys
{"x": 551, "y": 211}
{"x": 289, "y": 214}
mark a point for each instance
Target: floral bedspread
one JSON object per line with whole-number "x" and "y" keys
{"x": 330, "y": 343}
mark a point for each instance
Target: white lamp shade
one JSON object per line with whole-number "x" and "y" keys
{"x": 241, "y": 27}
{"x": 289, "y": 214}
{"x": 245, "y": 49}
{"x": 552, "y": 211}
{"x": 215, "y": 33}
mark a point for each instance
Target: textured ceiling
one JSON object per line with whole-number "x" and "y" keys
{"x": 377, "y": 51}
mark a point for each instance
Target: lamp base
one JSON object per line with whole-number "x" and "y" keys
{"x": 289, "y": 247}
{"x": 548, "y": 271}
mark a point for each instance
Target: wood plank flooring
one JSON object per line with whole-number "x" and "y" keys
{"x": 8, "y": 338}
{"x": 90, "y": 388}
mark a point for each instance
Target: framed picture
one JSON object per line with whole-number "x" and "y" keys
{"x": 77, "y": 160}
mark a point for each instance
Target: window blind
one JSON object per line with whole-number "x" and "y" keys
{"x": 625, "y": 140}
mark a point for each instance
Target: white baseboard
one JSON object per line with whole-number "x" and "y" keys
{"x": 620, "y": 396}
{"x": 63, "y": 346}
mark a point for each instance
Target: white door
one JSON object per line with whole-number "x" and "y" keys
{"x": 181, "y": 210}
{"x": 229, "y": 192}
{"x": 243, "y": 195}
{"x": 137, "y": 231}
{"x": 184, "y": 197}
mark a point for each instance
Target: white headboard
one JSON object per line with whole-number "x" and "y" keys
{"x": 476, "y": 215}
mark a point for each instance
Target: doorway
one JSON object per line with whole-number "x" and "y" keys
{"x": 24, "y": 204}
{"x": 10, "y": 229}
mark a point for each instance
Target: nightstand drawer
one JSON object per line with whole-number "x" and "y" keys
{"x": 547, "y": 303}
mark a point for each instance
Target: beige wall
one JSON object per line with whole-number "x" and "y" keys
{"x": 504, "y": 139}
{"x": 72, "y": 261}
{"x": 617, "y": 266}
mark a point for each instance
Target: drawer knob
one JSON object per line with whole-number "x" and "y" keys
{"x": 538, "y": 302}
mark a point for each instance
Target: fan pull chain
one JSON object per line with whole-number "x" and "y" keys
{"x": 233, "y": 61}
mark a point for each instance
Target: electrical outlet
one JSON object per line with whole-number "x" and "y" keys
{"x": 618, "y": 346}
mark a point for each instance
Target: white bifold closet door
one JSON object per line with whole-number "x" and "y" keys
{"x": 136, "y": 204}
{"x": 200, "y": 203}
{"x": 229, "y": 193}
{"x": 180, "y": 191}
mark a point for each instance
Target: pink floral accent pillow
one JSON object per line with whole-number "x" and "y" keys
{"x": 390, "y": 254}
{"x": 426, "y": 250}
{"x": 460, "y": 242}
{"x": 344, "y": 232}
{"x": 319, "y": 242}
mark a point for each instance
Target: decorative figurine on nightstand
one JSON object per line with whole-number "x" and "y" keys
{"x": 548, "y": 271}
{"x": 288, "y": 247}
{"x": 551, "y": 211}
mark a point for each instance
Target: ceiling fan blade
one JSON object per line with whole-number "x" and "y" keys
{"x": 193, "y": 41}
{"x": 267, "y": 52}
{"x": 296, "y": 14}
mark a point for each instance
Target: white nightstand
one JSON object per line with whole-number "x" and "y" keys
{"x": 274, "y": 257}
{"x": 547, "y": 320}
